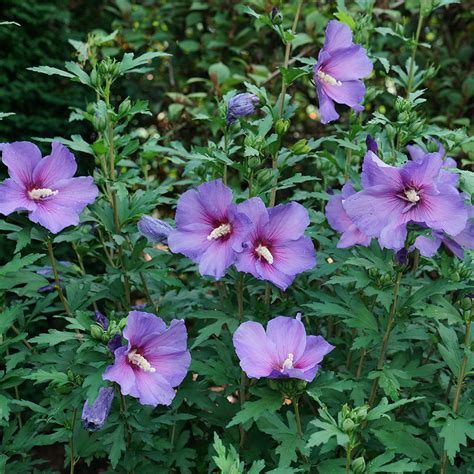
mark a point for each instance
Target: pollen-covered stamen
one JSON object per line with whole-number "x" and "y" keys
{"x": 263, "y": 252}
{"x": 41, "y": 193}
{"x": 288, "y": 364}
{"x": 139, "y": 360}
{"x": 328, "y": 79}
{"x": 221, "y": 231}
{"x": 412, "y": 195}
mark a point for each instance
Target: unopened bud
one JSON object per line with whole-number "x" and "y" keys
{"x": 282, "y": 126}
{"x": 358, "y": 465}
{"x": 348, "y": 425}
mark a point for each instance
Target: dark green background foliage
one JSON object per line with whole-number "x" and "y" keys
{"x": 163, "y": 126}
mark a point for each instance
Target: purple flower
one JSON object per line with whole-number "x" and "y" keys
{"x": 341, "y": 64}
{"x": 429, "y": 245}
{"x": 44, "y": 187}
{"x": 282, "y": 351}
{"x": 416, "y": 193}
{"x": 102, "y": 320}
{"x": 341, "y": 222}
{"x": 209, "y": 228}
{"x": 276, "y": 250}
{"x": 241, "y": 105}
{"x": 155, "y": 360}
{"x": 94, "y": 416}
{"x": 155, "y": 230}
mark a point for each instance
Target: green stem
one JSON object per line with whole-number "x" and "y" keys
{"x": 413, "y": 54}
{"x": 386, "y": 338}
{"x": 226, "y": 152}
{"x": 460, "y": 381}
{"x": 282, "y": 98}
{"x": 240, "y": 297}
{"x": 57, "y": 285}
{"x": 296, "y": 406}
{"x": 71, "y": 443}
{"x": 348, "y": 459}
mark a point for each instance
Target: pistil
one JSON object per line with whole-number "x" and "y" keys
{"x": 264, "y": 253}
{"x": 138, "y": 359}
{"x": 328, "y": 79}
{"x": 41, "y": 193}
{"x": 221, "y": 231}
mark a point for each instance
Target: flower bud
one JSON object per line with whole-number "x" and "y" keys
{"x": 358, "y": 465}
{"x": 254, "y": 162}
{"x": 94, "y": 416}
{"x": 100, "y": 319}
{"x": 282, "y": 126}
{"x": 360, "y": 413}
{"x": 371, "y": 144}
{"x": 348, "y": 425}
{"x": 466, "y": 304}
{"x": 96, "y": 332}
{"x": 125, "y": 106}
{"x": 114, "y": 343}
{"x": 301, "y": 147}
{"x": 241, "y": 105}
{"x": 155, "y": 230}
{"x": 276, "y": 16}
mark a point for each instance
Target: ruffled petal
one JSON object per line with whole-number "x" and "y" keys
{"x": 191, "y": 243}
{"x": 294, "y": 256}
{"x": 21, "y": 159}
{"x": 53, "y": 168}
{"x": 153, "y": 389}
{"x": 268, "y": 272}
{"x": 350, "y": 93}
{"x": 53, "y": 216}
{"x": 377, "y": 173}
{"x": 122, "y": 373}
{"x": 76, "y": 193}
{"x": 289, "y": 337}
{"x": 316, "y": 348}
{"x": 327, "y": 109}
{"x": 428, "y": 246}
{"x": 256, "y": 353}
{"x": 13, "y": 198}
{"x": 216, "y": 259}
{"x": 255, "y": 209}
{"x": 287, "y": 222}
{"x": 141, "y": 327}
{"x": 338, "y": 36}
{"x": 349, "y": 64}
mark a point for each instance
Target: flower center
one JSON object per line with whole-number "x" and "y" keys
{"x": 41, "y": 193}
{"x": 412, "y": 195}
{"x": 288, "y": 364}
{"x": 221, "y": 231}
{"x": 328, "y": 79}
{"x": 263, "y": 252}
{"x": 139, "y": 360}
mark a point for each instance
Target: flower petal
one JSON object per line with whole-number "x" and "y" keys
{"x": 350, "y": 93}
{"x": 316, "y": 348}
{"x": 393, "y": 236}
{"x": 349, "y": 64}
{"x": 326, "y": 105}
{"x": 294, "y": 256}
{"x": 336, "y": 214}
{"x": 13, "y": 198}
{"x": 60, "y": 165}
{"x": 255, "y": 209}
{"x": 142, "y": 326}
{"x": 53, "y": 216}
{"x": 428, "y": 246}
{"x": 377, "y": 173}
{"x": 190, "y": 243}
{"x": 289, "y": 337}
{"x": 76, "y": 193}
{"x": 216, "y": 259}
{"x": 122, "y": 373}
{"x": 353, "y": 236}
{"x": 338, "y": 36}
{"x": 256, "y": 353}
{"x": 287, "y": 222}
{"x": 268, "y": 272}
{"x": 246, "y": 262}
{"x": 21, "y": 159}
{"x": 153, "y": 389}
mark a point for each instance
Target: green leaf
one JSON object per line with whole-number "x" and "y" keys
{"x": 54, "y": 337}
{"x": 8, "y": 317}
{"x": 254, "y": 410}
{"x": 219, "y": 71}
{"x": 384, "y": 407}
{"x": 449, "y": 350}
{"x": 118, "y": 445}
{"x": 4, "y": 409}
{"x": 19, "y": 262}
{"x": 455, "y": 433}
{"x": 345, "y": 18}
{"x": 42, "y": 376}
{"x": 51, "y": 71}
{"x": 291, "y": 74}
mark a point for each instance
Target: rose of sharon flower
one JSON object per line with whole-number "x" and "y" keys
{"x": 155, "y": 360}
{"x": 282, "y": 351}
{"x": 210, "y": 229}
{"x": 417, "y": 192}
{"x": 94, "y": 416}
{"x": 45, "y": 187}
{"x": 341, "y": 64}
{"x": 341, "y": 222}
{"x": 277, "y": 249}
{"x": 241, "y": 105}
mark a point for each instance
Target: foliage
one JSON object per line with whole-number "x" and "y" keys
{"x": 145, "y": 94}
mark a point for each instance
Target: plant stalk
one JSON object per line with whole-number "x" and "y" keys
{"x": 386, "y": 338}
{"x": 57, "y": 285}
{"x": 413, "y": 55}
